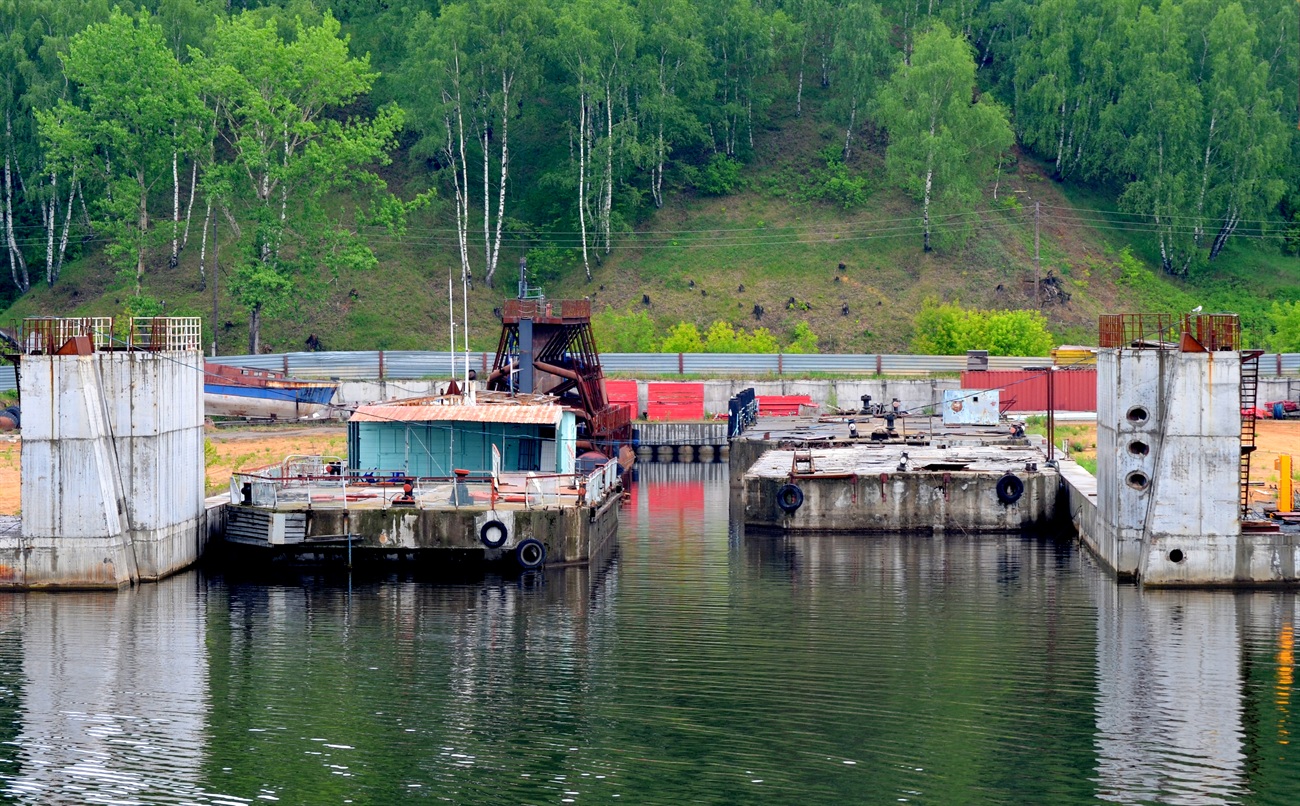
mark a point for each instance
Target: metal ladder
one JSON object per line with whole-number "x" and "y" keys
{"x": 1249, "y": 391}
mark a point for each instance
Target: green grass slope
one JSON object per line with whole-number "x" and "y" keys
{"x": 692, "y": 258}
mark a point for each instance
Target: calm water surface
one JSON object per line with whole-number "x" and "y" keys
{"x": 697, "y": 665}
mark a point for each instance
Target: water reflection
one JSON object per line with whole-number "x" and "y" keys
{"x": 696, "y": 664}
{"x": 106, "y": 692}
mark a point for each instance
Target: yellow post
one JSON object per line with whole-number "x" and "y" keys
{"x": 1285, "y": 493}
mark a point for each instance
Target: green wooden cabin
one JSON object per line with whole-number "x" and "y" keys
{"x": 427, "y": 438}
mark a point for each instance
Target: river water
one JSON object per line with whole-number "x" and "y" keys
{"x": 697, "y": 665}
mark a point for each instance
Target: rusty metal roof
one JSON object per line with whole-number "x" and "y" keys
{"x": 490, "y": 413}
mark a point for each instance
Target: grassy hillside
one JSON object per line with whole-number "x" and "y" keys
{"x": 692, "y": 258}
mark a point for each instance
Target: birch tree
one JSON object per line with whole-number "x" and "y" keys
{"x": 1243, "y": 139}
{"x": 942, "y": 145}
{"x": 671, "y": 81}
{"x": 275, "y": 101}
{"x": 596, "y": 41}
{"x": 1154, "y": 120}
{"x": 861, "y": 53}
{"x": 123, "y": 127}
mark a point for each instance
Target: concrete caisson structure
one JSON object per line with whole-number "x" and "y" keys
{"x": 112, "y": 455}
{"x": 1168, "y": 502}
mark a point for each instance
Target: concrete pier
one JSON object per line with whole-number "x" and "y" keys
{"x": 896, "y": 489}
{"x": 1166, "y": 506}
{"x": 112, "y": 457}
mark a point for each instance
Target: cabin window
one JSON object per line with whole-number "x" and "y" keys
{"x": 528, "y": 454}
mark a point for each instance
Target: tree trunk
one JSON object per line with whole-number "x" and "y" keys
{"x": 67, "y": 225}
{"x": 1198, "y": 230}
{"x": 582, "y": 178}
{"x": 189, "y": 206}
{"x": 1228, "y": 227}
{"x": 505, "y": 172}
{"x": 254, "y": 329}
{"x": 175, "y": 259}
{"x": 51, "y": 215}
{"x": 798, "y": 95}
{"x": 17, "y": 263}
{"x": 143, "y": 223}
{"x": 848, "y": 133}
{"x": 203, "y": 250}
{"x": 607, "y": 203}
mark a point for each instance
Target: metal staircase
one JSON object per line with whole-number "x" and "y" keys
{"x": 1249, "y": 390}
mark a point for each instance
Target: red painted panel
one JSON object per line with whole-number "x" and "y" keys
{"x": 782, "y": 405}
{"x": 1021, "y": 390}
{"x": 623, "y": 393}
{"x": 675, "y": 401}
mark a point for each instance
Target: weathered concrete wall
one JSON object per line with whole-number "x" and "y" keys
{"x": 844, "y": 393}
{"x": 1130, "y": 408}
{"x": 572, "y": 535}
{"x": 914, "y": 501}
{"x": 1194, "y": 521}
{"x": 112, "y": 470}
{"x": 914, "y": 394}
{"x": 1182, "y": 527}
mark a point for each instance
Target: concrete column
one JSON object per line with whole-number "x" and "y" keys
{"x": 112, "y": 470}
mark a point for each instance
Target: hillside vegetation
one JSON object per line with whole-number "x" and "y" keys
{"x": 805, "y": 167}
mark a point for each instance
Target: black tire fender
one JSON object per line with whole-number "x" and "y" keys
{"x": 494, "y": 534}
{"x": 530, "y": 553}
{"x": 1010, "y": 488}
{"x": 789, "y": 498}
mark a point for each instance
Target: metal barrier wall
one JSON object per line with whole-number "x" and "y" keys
{"x": 411, "y": 364}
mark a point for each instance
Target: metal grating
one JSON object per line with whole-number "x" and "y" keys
{"x": 1214, "y": 331}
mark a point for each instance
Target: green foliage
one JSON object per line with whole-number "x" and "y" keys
{"x": 143, "y": 305}
{"x": 722, "y": 337}
{"x": 625, "y": 331}
{"x": 720, "y": 176}
{"x": 683, "y": 337}
{"x": 805, "y": 340}
{"x": 1285, "y": 320}
{"x": 949, "y": 329}
{"x": 550, "y": 264}
{"x": 942, "y": 147}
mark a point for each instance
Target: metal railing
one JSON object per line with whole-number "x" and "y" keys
{"x": 411, "y": 364}
{"x": 305, "y": 482}
{"x": 601, "y": 482}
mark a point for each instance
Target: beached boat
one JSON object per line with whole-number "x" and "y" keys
{"x": 244, "y": 392}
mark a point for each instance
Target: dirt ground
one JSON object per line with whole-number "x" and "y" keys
{"x": 224, "y": 452}
{"x": 227, "y": 451}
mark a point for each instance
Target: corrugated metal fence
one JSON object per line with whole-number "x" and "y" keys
{"x": 408, "y": 364}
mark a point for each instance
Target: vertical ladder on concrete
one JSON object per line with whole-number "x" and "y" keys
{"x": 1249, "y": 390}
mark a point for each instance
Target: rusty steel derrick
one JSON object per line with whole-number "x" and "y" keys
{"x": 547, "y": 347}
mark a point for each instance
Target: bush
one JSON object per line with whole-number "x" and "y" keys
{"x": 805, "y": 340}
{"x": 1285, "y": 319}
{"x": 683, "y": 337}
{"x": 625, "y": 331}
{"x": 720, "y": 176}
{"x": 550, "y": 264}
{"x": 950, "y": 329}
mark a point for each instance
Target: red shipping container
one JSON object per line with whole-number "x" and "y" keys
{"x": 675, "y": 401}
{"x": 1026, "y": 390}
{"x": 782, "y": 405}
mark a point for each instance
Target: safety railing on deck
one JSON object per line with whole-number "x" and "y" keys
{"x": 320, "y": 482}
{"x": 601, "y": 482}
{"x": 49, "y": 335}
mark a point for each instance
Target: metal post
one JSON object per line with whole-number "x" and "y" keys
{"x": 216, "y": 278}
{"x": 1285, "y": 491}
{"x": 1038, "y": 269}
{"x": 1051, "y": 414}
